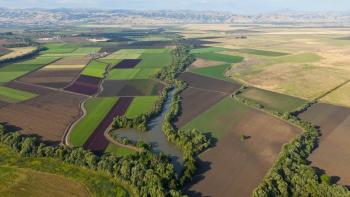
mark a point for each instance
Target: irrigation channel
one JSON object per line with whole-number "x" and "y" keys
{"x": 156, "y": 137}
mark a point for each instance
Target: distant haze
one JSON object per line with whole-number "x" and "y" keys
{"x": 237, "y": 6}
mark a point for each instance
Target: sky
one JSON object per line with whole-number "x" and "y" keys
{"x": 237, "y": 6}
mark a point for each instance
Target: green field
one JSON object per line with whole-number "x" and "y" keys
{"x": 96, "y": 111}
{"x": 217, "y": 72}
{"x": 95, "y": 69}
{"x": 133, "y": 73}
{"x": 155, "y": 60}
{"x": 298, "y": 58}
{"x": 85, "y": 51}
{"x": 141, "y": 105}
{"x": 207, "y": 50}
{"x": 29, "y": 176}
{"x": 60, "y": 48}
{"x": 11, "y": 95}
{"x": 125, "y": 54}
{"x": 110, "y": 61}
{"x": 13, "y": 71}
{"x": 229, "y": 110}
{"x": 271, "y": 100}
{"x": 117, "y": 150}
{"x": 220, "y": 57}
{"x": 261, "y": 52}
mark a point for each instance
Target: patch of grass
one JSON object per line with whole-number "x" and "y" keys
{"x": 271, "y": 100}
{"x": 117, "y": 150}
{"x": 207, "y": 50}
{"x": 217, "y": 72}
{"x": 154, "y": 60}
{"x": 60, "y": 48}
{"x": 339, "y": 96}
{"x": 141, "y": 105}
{"x": 14, "y": 96}
{"x": 215, "y": 120}
{"x": 95, "y": 69}
{"x": 96, "y": 111}
{"x": 220, "y": 57}
{"x": 29, "y": 176}
{"x": 261, "y": 52}
{"x": 299, "y": 58}
{"x": 86, "y": 50}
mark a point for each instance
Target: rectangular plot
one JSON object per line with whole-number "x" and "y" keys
{"x": 85, "y": 85}
{"x": 97, "y": 142}
{"x": 127, "y": 63}
{"x": 141, "y": 105}
{"x": 155, "y": 60}
{"x": 14, "y": 96}
{"x": 95, "y": 69}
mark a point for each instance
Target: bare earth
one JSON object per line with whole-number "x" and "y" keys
{"x": 201, "y": 63}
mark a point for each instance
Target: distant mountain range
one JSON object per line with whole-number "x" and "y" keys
{"x": 37, "y": 16}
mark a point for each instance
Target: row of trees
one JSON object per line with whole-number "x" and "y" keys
{"x": 292, "y": 174}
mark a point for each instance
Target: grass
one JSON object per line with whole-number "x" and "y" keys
{"x": 14, "y": 96}
{"x": 271, "y": 100}
{"x": 134, "y": 73}
{"x": 86, "y": 50}
{"x": 217, "y": 72}
{"x": 111, "y": 61}
{"x": 339, "y": 96}
{"x": 220, "y": 57}
{"x": 117, "y": 150}
{"x": 95, "y": 69}
{"x": 260, "y": 52}
{"x": 141, "y": 105}
{"x": 207, "y": 50}
{"x": 155, "y": 60}
{"x": 125, "y": 54}
{"x": 13, "y": 71}
{"x": 219, "y": 119}
{"x": 299, "y": 58}
{"x": 96, "y": 111}
{"x": 15, "y": 52}
{"x": 60, "y": 48}
{"x": 28, "y": 176}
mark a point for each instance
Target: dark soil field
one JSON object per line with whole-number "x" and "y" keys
{"x": 195, "y": 102}
{"x": 142, "y": 87}
{"x": 85, "y": 85}
{"x": 127, "y": 63}
{"x": 97, "y": 142}
{"x": 52, "y": 78}
{"x": 207, "y": 83}
{"x": 46, "y": 116}
{"x": 234, "y": 167}
{"x": 333, "y": 154}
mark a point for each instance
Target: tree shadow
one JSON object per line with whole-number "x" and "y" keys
{"x": 333, "y": 179}
{"x": 203, "y": 166}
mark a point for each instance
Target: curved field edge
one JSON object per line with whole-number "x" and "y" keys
{"x": 93, "y": 181}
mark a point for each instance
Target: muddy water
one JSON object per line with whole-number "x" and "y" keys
{"x": 156, "y": 137}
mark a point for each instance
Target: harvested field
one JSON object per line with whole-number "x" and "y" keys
{"x": 97, "y": 142}
{"x": 261, "y": 52}
{"x": 195, "y": 102}
{"x": 54, "y": 78}
{"x": 202, "y": 63}
{"x": 137, "y": 87}
{"x": 234, "y": 166}
{"x": 127, "y": 63}
{"x": 17, "y": 52}
{"x": 209, "y": 84}
{"x": 85, "y": 85}
{"x": 46, "y": 116}
{"x": 332, "y": 154}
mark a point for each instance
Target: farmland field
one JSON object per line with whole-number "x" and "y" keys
{"x": 141, "y": 105}
{"x": 261, "y": 52}
{"x": 271, "y": 100}
{"x": 334, "y": 122}
{"x": 96, "y": 110}
{"x": 15, "y": 52}
{"x": 13, "y": 96}
{"x": 135, "y": 73}
{"x": 218, "y": 72}
{"x": 234, "y": 166}
{"x": 95, "y": 69}
{"x": 220, "y": 57}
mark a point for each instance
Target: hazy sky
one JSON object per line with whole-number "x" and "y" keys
{"x": 239, "y": 6}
